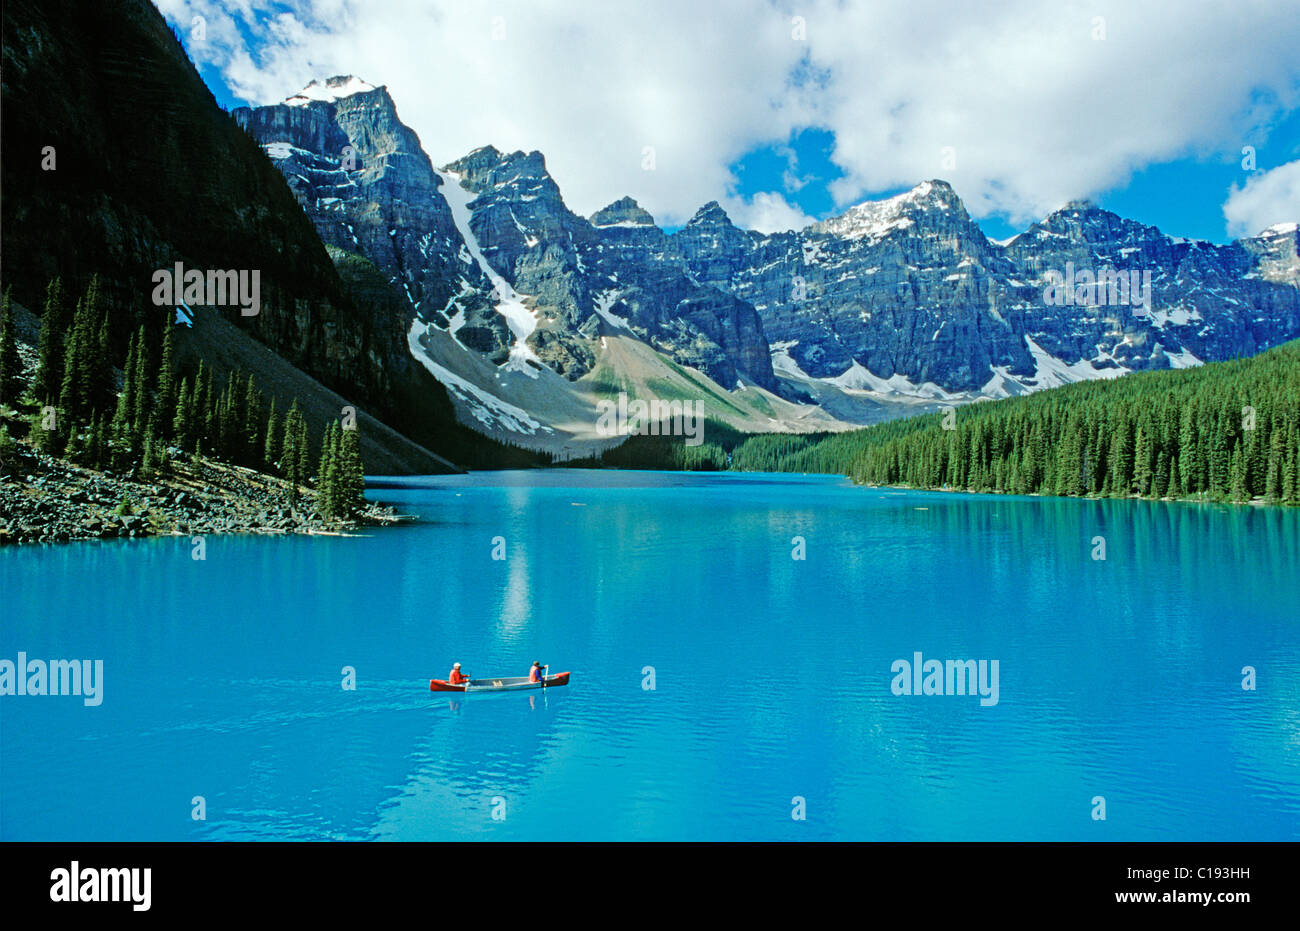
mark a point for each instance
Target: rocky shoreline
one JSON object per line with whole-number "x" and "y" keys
{"x": 48, "y": 500}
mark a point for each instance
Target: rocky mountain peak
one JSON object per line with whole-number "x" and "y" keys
{"x": 1277, "y": 250}
{"x": 935, "y": 191}
{"x": 711, "y": 214}
{"x": 330, "y": 90}
{"x": 524, "y": 173}
{"x": 875, "y": 219}
{"x": 1280, "y": 231}
{"x": 1085, "y": 222}
{"x": 367, "y": 185}
{"x": 623, "y": 212}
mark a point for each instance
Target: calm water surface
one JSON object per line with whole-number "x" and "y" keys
{"x": 222, "y": 678}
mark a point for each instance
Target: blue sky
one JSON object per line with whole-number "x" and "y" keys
{"x": 788, "y": 115}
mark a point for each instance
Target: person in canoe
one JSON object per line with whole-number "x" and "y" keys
{"x": 535, "y": 674}
{"x": 456, "y": 677}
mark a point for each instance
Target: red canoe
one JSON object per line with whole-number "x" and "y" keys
{"x": 508, "y": 684}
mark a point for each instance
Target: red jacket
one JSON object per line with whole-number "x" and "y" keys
{"x": 456, "y": 677}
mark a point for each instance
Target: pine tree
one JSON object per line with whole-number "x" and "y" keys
{"x": 151, "y": 454}
{"x": 1191, "y": 463}
{"x": 1160, "y": 476}
{"x": 55, "y": 323}
{"x": 78, "y": 445}
{"x": 47, "y": 441}
{"x": 350, "y": 479}
{"x": 99, "y": 350}
{"x": 183, "y": 417}
{"x": 11, "y": 366}
{"x": 271, "y": 446}
{"x": 126, "y": 401}
{"x": 326, "y": 486}
{"x": 1290, "y": 470}
{"x": 252, "y": 429}
{"x": 1237, "y": 476}
{"x": 1142, "y": 461}
{"x": 165, "y": 402}
{"x": 303, "y": 450}
{"x": 121, "y": 454}
{"x": 1273, "y": 467}
{"x": 291, "y": 456}
{"x": 73, "y": 398}
{"x": 95, "y": 453}
{"x": 1069, "y": 471}
{"x": 206, "y": 409}
{"x": 143, "y": 386}
{"x": 228, "y": 421}
{"x": 1121, "y": 461}
{"x": 1035, "y": 459}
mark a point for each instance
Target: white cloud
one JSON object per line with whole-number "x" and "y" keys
{"x": 1265, "y": 199}
{"x": 1036, "y": 111}
{"x": 767, "y": 212}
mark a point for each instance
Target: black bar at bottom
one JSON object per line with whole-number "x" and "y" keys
{"x": 537, "y": 880}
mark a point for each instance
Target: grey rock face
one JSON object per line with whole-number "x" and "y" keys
{"x": 1215, "y": 302}
{"x": 617, "y": 261}
{"x": 369, "y": 188}
{"x": 903, "y": 287}
{"x": 363, "y": 178}
{"x": 624, "y": 212}
{"x": 910, "y": 286}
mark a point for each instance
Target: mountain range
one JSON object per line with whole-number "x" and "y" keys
{"x": 513, "y": 300}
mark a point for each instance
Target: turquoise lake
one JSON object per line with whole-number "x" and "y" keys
{"x": 223, "y": 678}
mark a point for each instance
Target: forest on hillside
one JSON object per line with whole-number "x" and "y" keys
{"x": 77, "y": 408}
{"x": 1227, "y": 431}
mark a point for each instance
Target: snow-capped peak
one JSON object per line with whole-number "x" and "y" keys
{"x": 332, "y": 89}
{"x": 876, "y": 218}
{"x": 1281, "y": 229}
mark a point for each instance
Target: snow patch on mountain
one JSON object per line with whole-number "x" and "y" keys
{"x": 279, "y": 150}
{"x": 1051, "y": 372}
{"x": 875, "y": 219}
{"x": 604, "y": 301}
{"x": 860, "y": 378}
{"x": 332, "y": 89}
{"x": 488, "y": 409}
{"x": 1182, "y": 360}
{"x": 509, "y": 304}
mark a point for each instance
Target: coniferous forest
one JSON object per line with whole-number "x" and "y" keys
{"x": 80, "y": 412}
{"x": 1227, "y": 431}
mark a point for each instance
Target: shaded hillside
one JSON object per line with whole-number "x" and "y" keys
{"x": 150, "y": 171}
{"x": 227, "y": 350}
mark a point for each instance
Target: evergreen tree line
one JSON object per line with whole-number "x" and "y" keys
{"x": 96, "y": 426}
{"x": 1227, "y": 431}
{"x": 668, "y": 452}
